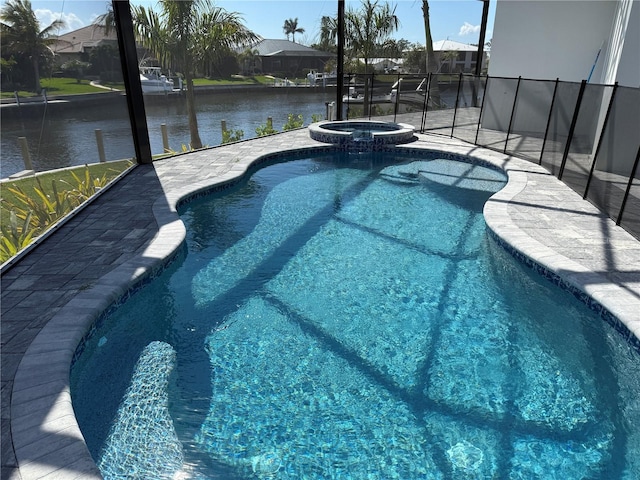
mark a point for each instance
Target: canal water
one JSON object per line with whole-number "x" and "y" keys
{"x": 65, "y": 136}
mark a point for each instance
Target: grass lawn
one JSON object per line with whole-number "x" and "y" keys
{"x": 236, "y": 80}
{"x": 70, "y": 86}
{"x": 27, "y": 184}
{"x": 64, "y": 86}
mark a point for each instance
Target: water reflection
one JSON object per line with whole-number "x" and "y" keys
{"x": 60, "y": 137}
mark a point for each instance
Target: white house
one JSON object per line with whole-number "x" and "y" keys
{"x": 464, "y": 61}
{"x": 565, "y": 39}
{"x": 597, "y": 41}
{"x": 384, "y": 64}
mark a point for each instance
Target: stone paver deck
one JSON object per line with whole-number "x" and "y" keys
{"x": 51, "y": 296}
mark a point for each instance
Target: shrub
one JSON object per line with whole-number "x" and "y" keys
{"x": 266, "y": 129}
{"x": 43, "y": 208}
{"x": 14, "y": 238}
{"x": 32, "y": 212}
{"x": 75, "y": 68}
{"x": 229, "y": 136}
{"x": 85, "y": 187}
{"x": 293, "y": 121}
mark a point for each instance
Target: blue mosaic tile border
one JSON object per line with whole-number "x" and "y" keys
{"x": 285, "y": 156}
{"x": 265, "y": 160}
{"x": 373, "y": 134}
{"x": 458, "y": 157}
{"x": 133, "y": 289}
{"x": 181, "y": 251}
{"x": 582, "y": 296}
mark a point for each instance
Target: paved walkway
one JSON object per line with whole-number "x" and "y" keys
{"x": 50, "y": 297}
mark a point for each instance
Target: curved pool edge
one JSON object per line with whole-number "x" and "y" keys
{"x": 392, "y": 134}
{"x": 41, "y": 403}
{"x": 614, "y": 303}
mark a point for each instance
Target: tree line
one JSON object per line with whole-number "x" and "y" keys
{"x": 190, "y": 36}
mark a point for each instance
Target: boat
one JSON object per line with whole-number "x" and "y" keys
{"x": 317, "y": 79}
{"x": 412, "y": 91}
{"x": 355, "y": 97}
{"x": 154, "y": 82}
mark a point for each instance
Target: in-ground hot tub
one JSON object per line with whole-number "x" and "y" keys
{"x": 358, "y": 132}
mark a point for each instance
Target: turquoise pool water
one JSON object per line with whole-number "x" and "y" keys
{"x": 347, "y": 316}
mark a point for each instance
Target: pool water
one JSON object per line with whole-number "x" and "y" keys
{"x": 347, "y": 316}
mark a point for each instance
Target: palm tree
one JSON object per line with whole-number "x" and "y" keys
{"x": 432, "y": 63}
{"x": 291, "y": 27}
{"x": 248, "y": 60}
{"x": 365, "y": 30}
{"x": 368, "y": 28}
{"x": 328, "y": 33}
{"x": 107, "y": 20}
{"x": 21, "y": 35}
{"x": 185, "y": 34}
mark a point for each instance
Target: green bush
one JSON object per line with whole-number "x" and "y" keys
{"x": 229, "y": 136}
{"x": 293, "y": 122}
{"x": 14, "y": 238}
{"x": 266, "y": 129}
{"x": 42, "y": 207}
{"x": 32, "y": 211}
{"x": 75, "y": 69}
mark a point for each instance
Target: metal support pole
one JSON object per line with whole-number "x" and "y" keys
{"x": 366, "y": 101}
{"x": 455, "y": 110}
{"x": 340, "y": 69}
{"x": 572, "y": 129}
{"x": 131, "y": 75}
{"x": 604, "y": 127}
{"x": 483, "y": 31}
{"x": 480, "y": 54}
{"x": 481, "y": 110}
{"x": 370, "y": 96}
{"x": 513, "y": 111}
{"x": 632, "y": 175}
{"x": 546, "y": 130}
{"x": 426, "y": 102}
{"x": 397, "y": 103}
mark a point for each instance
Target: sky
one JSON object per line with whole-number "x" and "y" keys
{"x": 457, "y": 20}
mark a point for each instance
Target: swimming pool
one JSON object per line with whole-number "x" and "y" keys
{"x": 308, "y": 333}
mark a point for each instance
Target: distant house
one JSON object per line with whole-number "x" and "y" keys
{"x": 456, "y": 57}
{"x": 77, "y": 45}
{"x": 288, "y": 58}
{"x": 385, "y": 65}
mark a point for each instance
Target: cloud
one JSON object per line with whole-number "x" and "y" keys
{"x": 47, "y": 17}
{"x": 468, "y": 29}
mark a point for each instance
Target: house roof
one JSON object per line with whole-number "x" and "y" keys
{"x": 376, "y": 61}
{"x": 77, "y": 40}
{"x": 451, "y": 46}
{"x": 273, "y": 47}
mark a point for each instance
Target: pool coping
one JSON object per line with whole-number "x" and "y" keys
{"x": 41, "y": 406}
{"x": 402, "y": 133}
